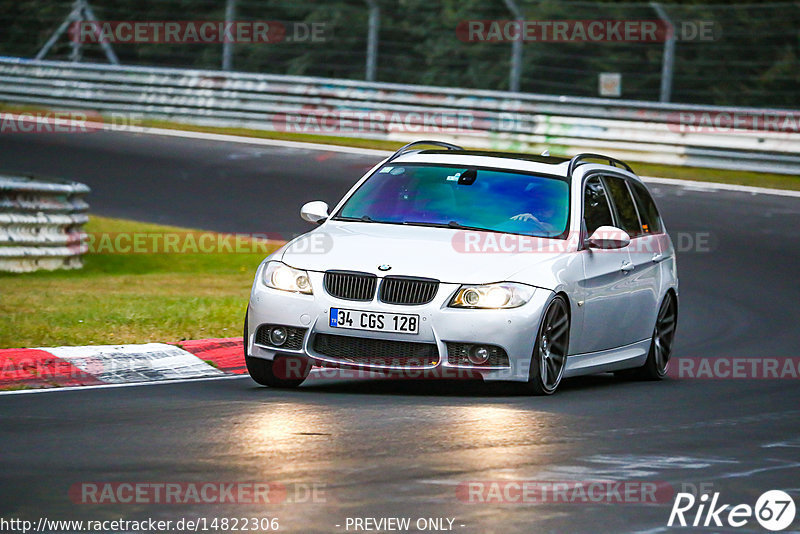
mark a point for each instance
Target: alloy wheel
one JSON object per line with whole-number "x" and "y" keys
{"x": 552, "y": 345}
{"x": 664, "y": 333}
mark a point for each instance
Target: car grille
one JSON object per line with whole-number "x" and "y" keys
{"x": 457, "y": 354}
{"x": 350, "y": 285}
{"x": 376, "y": 352}
{"x": 294, "y": 338}
{"x": 407, "y": 291}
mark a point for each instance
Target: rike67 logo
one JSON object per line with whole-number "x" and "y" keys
{"x": 774, "y": 510}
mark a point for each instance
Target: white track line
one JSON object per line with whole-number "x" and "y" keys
{"x": 692, "y": 184}
{"x": 127, "y": 385}
{"x": 225, "y": 138}
{"x": 714, "y": 186}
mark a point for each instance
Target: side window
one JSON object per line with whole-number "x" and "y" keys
{"x": 651, "y": 220}
{"x": 627, "y": 218}
{"x": 596, "y": 211}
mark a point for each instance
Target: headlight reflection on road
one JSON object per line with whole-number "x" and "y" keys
{"x": 282, "y": 427}
{"x": 497, "y": 442}
{"x": 502, "y": 428}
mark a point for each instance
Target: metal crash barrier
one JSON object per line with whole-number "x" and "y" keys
{"x": 675, "y": 134}
{"x": 41, "y": 224}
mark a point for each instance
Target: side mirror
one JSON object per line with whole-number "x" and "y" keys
{"x": 609, "y": 237}
{"x": 314, "y": 212}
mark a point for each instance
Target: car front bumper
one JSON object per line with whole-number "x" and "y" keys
{"x": 514, "y": 330}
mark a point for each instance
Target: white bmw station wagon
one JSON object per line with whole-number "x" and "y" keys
{"x": 447, "y": 263}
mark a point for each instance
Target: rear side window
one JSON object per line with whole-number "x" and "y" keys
{"x": 596, "y": 210}
{"x": 648, "y": 213}
{"x": 627, "y": 217}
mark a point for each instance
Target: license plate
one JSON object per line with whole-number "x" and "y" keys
{"x": 375, "y": 322}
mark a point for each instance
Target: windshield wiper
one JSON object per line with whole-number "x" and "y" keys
{"x": 363, "y": 218}
{"x": 452, "y": 224}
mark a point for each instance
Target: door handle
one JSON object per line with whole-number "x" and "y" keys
{"x": 657, "y": 257}
{"x": 627, "y": 266}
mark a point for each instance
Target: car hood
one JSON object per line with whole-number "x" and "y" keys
{"x": 449, "y": 255}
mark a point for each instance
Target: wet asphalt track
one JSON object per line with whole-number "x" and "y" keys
{"x": 401, "y": 449}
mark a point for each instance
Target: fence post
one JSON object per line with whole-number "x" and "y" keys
{"x": 75, "y": 15}
{"x": 76, "y": 47}
{"x": 81, "y": 10}
{"x": 372, "y": 38}
{"x": 227, "y": 46}
{"x": 668, "y": 58}
{"x": 105, "y": 45}
{"x": 516, "y": 48}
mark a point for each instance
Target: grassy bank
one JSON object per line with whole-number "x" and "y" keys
{"x": 129, "y": 298}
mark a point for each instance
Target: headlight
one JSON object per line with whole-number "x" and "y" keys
{"x": 278, "y": 275}
{"x": 502, "y": 295}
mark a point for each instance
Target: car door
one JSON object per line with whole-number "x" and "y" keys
{"x": 654, "y": 247}
{"x": 605, "y": 285}
{"x": 644, "y": 279}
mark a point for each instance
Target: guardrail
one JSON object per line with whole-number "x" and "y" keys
{"x": 41, "y": 224}
{"x": 674, "y": 134}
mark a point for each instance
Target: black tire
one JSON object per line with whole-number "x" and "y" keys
{"x": 285, "y": 371}
{"x": 273, "y": 373}
{"x": 550, "y": 351}
{"x": 657, "y": 363}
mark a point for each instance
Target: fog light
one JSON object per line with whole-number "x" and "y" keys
{"x": 479, "y": 355}
{"x": 278, "y": 335}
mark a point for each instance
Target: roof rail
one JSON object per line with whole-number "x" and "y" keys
{"x": 580, "y": 159}
{"x": 403, "y": 149}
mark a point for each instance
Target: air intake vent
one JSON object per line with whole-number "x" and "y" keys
{"x": 350, "y": 286}
{"x": 376, "y": 352}
{"x": 408, "y": 291}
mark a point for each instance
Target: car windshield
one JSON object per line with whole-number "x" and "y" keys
{"x": 459, "y": 197}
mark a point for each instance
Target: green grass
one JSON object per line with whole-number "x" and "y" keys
{"x": 128, "y": 298}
